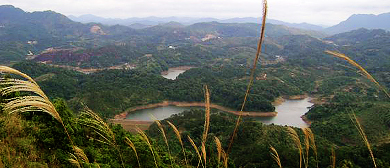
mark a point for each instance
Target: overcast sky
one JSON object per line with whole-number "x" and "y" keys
{"x": 324, "y": 12}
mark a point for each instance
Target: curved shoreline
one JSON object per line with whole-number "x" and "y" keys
{"x": 306, "y": 120}
{"x": 176, "y": 68}
{"x": 279, "y": 100}
{"x": 129, "y": 124}
{"x": 195, "y": 104}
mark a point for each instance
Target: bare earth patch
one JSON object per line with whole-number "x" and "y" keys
{"x": 129, "y": 125}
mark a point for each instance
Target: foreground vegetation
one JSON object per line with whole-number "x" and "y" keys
{"x": 350, "y": 126}
{"x": 37, "y": 139}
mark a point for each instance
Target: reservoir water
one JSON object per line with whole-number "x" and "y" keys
{"x": 160, "y": 113}
{"x": 173, "y": 73}
{"x": 289, "y": 113}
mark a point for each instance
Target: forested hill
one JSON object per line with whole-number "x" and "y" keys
{"x": 27, "y": 35}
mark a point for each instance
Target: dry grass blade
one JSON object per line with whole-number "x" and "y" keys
{"x": 28, "y": 103}
{"x": 74, "y": 161}
{"x": 178, "y": 135}
{"x": 146, "y": 139}
{"x": 196, "y": 149}
{"x": 31, "y": 103}
{"x": 352, "y": 62}
{"x": 221, "y": 152}
{"x": 16, "y": 72}
{"x": 132, "y": 146}
{"x": 312, "y": 142}
{"x": 165, "y": 138}
{"x": 225, "y": 159}
{"x": 203, "y": 149}
{"x": 80, "y": 154}
{"x": 262, "y": 34}
{"x": 207, "y": 114}
{"x": 17, "y": 85}
{"x": 307, "y": 147}
{"x": 275, "y": 156}
{"x": 363, "y": 135}
{"x": 92, "y": 120}
{"x": 297, "y": 142}
{"x": 79, "y": 157}
{"x": 219, "y": 148}
{"x": 206, "y": 123}
{"x": 333, "y": 158}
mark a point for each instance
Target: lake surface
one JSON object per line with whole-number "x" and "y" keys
{"x": 160, "y": 113}
{"x": 289, "y": 113}
{"x": 173, "y": 73}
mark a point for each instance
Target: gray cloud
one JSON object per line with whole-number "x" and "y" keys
{"x": 327, "y": 12}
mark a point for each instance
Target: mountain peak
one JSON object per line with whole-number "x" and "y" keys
{"x": 8, "y": 6}
{"x": 173, "y": 24}
{"x": 356, "y": 21}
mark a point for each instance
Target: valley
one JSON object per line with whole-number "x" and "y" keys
{"x": 162, "y": 69}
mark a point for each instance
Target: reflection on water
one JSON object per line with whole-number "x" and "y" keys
{"x": 160, "y": 113}
{"x": 172, "y": 74}
{"x": 289, "y": 113}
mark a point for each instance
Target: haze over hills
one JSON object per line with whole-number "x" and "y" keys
{"x": 24, "y": 32}
{"x": 151, "y": 21}
{"x": 356, "y": 21}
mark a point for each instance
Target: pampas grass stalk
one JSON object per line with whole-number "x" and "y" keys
{"x": 221, "y": 152}
{"x": 333, "y": 158}
{"x": 196, "y": 149}
{"x": 80, "y": 154}
{"x": 207, "y": 114}
{"x": 307, "y": 146}
{"x": 219, "y": 148}
{"x": 165, "y": 138}
{"x": 206, "y": 123}
{"x": 310, "y": 135}
{"x": 74, "y": 161}
{"x": 93, "y": 121}
{"x": 16, "y": 72}
{"x": 353, "y": 116}
{"x": 132, "y": 146}
{"x": 146, "y": 139}
{"x": 178, "y": 135}
{"x": 79, "y": 157}
{"x": 365, "y": 73}
{"x": 225, "y": 159}
{"x": 363, "y": 135}
{"x": 203, "y": 149}
{"x": 297, "y": 142}
{"x": 275, "y": 156}
{"x": 251, "y": 79}
{"x": 38, "y": 102}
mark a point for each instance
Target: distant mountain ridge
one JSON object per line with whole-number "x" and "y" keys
{"x": 24, "y": 34}
{"x": 151, "y": 21}
{"x": 356, "y": 21}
